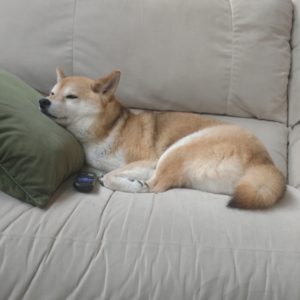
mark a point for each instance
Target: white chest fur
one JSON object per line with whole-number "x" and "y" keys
{"x": 100, "y": 156}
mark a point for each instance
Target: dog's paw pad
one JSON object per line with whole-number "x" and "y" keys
{"x": 141, "y": 182}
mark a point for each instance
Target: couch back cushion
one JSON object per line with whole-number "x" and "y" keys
{"x": 36, "y": 36}
{"x": 226, "y": 57}
{"x": 294, "y": 86}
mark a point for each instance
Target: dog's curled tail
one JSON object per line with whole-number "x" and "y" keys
{"x": 260, "y": 187}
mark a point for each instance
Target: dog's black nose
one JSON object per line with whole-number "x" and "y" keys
{"x": 44, "y": 103}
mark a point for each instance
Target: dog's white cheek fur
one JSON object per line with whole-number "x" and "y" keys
{"x": 57, "y": 109}
{"x": 74, "y": 112}
{"x": 77, "y": 109}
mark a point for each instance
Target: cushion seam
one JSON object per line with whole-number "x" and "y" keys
{"x": 16, "y": 182}
{"x": 229, "y": 95}
{"x": 141, "y": 243}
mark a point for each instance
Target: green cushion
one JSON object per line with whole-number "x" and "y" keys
{"x": 36, "y": 154}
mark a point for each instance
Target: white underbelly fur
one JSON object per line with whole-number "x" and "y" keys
{"x": 99, "y": 156}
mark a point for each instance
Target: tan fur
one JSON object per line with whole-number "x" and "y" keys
{"x": 149, "y": 134}
{"x": 207, "y": 151}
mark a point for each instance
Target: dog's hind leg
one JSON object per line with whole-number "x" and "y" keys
{"x": 168, "y": 174}
{"x": 130, "y": 178}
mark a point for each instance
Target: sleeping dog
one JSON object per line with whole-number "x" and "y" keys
{"x": 156, "y": 151}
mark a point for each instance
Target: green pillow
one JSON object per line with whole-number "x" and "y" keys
{"x": 36, "y": 154}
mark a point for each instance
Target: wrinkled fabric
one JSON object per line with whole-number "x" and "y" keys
{"x": 181, "y": 244}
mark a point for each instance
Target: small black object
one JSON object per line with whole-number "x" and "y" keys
{"x": 84, "y": 182}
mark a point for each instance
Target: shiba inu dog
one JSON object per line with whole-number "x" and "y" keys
{"x": 156, "y": 151}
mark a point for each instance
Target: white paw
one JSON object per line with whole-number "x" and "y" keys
{"x": 123, "y": 184}
{"x": 104, "y": 181}
{"x": 98, "y": 172}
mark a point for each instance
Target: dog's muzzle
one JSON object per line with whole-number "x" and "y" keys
{"x": 44, "y": 104}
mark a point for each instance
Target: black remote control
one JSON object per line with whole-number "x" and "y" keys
{"x": 84, "y": 182}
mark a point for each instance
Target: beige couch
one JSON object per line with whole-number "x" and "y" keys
{"x": 237, "y": 60}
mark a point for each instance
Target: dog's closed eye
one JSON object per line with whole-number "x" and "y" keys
{"x": 71, "y": 97}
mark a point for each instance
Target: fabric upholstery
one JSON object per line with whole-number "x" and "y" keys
{"x": 294, "y": 82}
{"x": 237, "y": 64}
{"x": 294, "y": 158}
{"x": 182, "y": 244}
{"x": 225, "y": 57}
{"x": 228, "y": 57}
{"x": 38, "y": 36}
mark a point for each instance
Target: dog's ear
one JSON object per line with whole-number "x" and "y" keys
{"x": 108, "y": 84}
{"x": 60, "y": 75}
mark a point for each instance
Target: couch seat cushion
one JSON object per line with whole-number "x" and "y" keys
{"x": 180, "y": 244}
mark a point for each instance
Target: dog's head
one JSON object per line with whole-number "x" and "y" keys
{"x": 73, "y": 98}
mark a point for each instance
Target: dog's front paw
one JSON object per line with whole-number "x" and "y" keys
{"x": 123, "y": 184}
{"x": 144, "y": 188}
{"x": 106, "y": 181}
{"x": 135, "y": 186}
